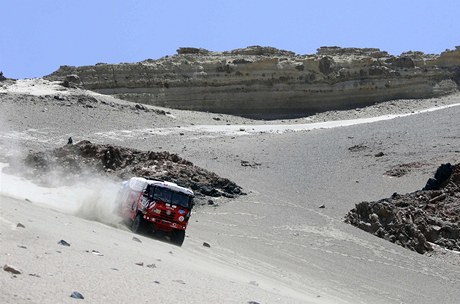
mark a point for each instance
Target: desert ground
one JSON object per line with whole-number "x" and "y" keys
{"x": 273, "y": 245}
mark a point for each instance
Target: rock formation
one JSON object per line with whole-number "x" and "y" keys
{"x": 416, "y": 220}
{"x": 84, "y": 159}
{"x": 265, "y": 82}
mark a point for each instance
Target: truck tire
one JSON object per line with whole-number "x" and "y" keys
{"x": 139, "y": 225}
{"x": 177, "y": 237}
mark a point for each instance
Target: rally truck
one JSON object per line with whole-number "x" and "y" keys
{"x": 156, "y": 207}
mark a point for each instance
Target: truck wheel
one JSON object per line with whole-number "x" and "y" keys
{"x": 138, "y": 225}
{"x": 177, "y": 237}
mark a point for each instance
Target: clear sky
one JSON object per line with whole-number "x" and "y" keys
{"x": 37, "y": 36}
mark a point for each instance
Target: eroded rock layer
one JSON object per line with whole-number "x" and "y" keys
{"x": 264, "y": 82}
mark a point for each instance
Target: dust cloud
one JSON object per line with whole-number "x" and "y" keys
{"x": 90, "y": 197}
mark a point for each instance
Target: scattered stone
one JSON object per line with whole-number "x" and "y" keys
{"x": 136, "y": 239}
{"x": 139, "y": 264}
{"x": 95, "y": 252}
{"x": 206, "y": 245}
{"x": 70, "y": 141}
{"x": 59, "y": 97}
{"x": 156, "y": 282}
{"x": 322, "y": 206}
{"x": 22, "y": 246}
{"x": 152, "y": 266}
{"x": 253, "y": 302}
{"x": 358, "y": 148}
{"x": 254, "y": 283}
{"x": 252, "y": 164}
{"x": 179, "y": 281}
{"x": 34, "y": 275}
{"x": 63, "y": 243}
{"x": 11, "y": 269}
{"x": 28, "y": 200}
{"x": 380, "y": 154}
{"x": 77, "y": 295}
{"x": 403, "y": 169}
{"x": 113, "y": 268}
{"x": 19, "y": 225}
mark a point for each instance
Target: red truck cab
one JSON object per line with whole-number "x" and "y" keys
{"x": 158, "y": 207}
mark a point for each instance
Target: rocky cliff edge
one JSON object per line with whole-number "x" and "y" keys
{"x": 268, "y": 83}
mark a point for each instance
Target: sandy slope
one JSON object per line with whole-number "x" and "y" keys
{"x": 272, "y": 246}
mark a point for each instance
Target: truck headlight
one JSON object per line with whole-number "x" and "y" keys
{"x": 181, "y": 218}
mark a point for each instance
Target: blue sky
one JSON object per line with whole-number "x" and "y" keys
{"x": 37, "y": 36}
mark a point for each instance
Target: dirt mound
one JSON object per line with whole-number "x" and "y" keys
{"x": 85, "y": 158}
{"x": 415, "y": 220}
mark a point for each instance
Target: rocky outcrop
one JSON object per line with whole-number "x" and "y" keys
{"x": 265, "y": 82}
{"x": 418, "y": 219}
{"x": 84, "y": 159}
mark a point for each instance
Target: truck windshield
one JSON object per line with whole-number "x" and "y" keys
{"x": 171, "y": 197}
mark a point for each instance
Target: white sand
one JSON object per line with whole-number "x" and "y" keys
{"x": 272, "y": 246}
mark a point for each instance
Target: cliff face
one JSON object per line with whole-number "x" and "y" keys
{"x": 264, "y": 82}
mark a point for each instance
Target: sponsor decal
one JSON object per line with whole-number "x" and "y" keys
{"x": 181, "y": 211}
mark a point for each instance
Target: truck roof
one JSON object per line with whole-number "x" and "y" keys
{"x": 140, "y": 183}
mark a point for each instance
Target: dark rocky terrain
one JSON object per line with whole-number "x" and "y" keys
{"x": 86, "y": 159}
{"x": 417, "y": 219}
{"x": 265, "y": 82}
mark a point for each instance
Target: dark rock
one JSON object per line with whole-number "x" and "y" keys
{"x": 85, "y": 157}
{"x": 380, "y": 154}
{"x": 322, "y": 206}
{"x": 19, "y": 225}
{"x": 77, "y": 295}
{"x": 63, "y": 243}
{"x": 2, "y": 78}
{"x": 71, "y": 81}
{"x": 358, "y": 148}
{"x": 136, "y": 239}
{"x": 441, "y": 175}
{"x": 404, "y": 62}
{"x": 206, "y": 245}
{"x": 326, "y": 65}
{"x": 192, "y": 50}
{"x": 251, "y": 164}
{"x": 11, "y": 269}
{"x": 59, "y": 97}
{"x": 415, "y": 219}
{"x": 70, "y": 141}
{"x": 139, "y": 263}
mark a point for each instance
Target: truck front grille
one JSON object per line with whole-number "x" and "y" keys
{"x": 167, "y": 217}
